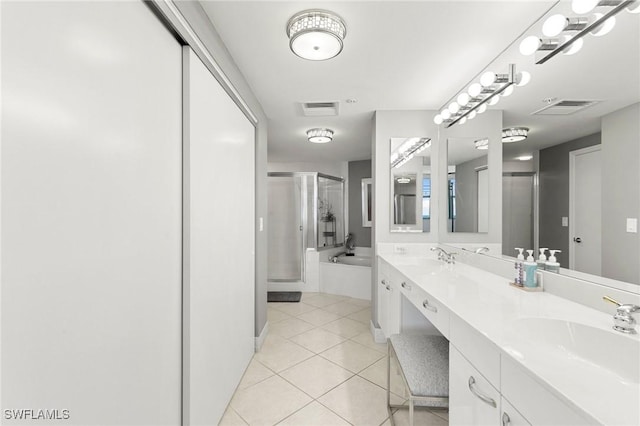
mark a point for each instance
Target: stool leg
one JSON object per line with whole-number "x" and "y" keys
{"x": 410, "y": 411}
{"x": 389, "y": 384}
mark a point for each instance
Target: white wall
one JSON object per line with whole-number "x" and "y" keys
{"x": 620, "y": 175}
{"x": 91, "y": 213}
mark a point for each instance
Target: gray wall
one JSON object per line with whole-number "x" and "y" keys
{"x": 620, "y": 197}
{"x": 201, "y": 24}
{"x": 554, "y": 194}
{"x": 467, "y": 195}
{"x": 358, "y": 170}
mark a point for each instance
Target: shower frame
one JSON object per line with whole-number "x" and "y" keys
{"x": 304, "y": 206}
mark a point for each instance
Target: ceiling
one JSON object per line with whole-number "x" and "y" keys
{"x": 417, "y": 55}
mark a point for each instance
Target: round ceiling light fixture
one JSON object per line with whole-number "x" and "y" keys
{"x": 320, "y": 135}
{"x": 481, "y": 143}
{"x": 316, "y": 34}
{"x": 514, "y": 134}
{"x": 403, "y": 180}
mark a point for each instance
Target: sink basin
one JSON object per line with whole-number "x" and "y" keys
{"x": 594, "y": 351}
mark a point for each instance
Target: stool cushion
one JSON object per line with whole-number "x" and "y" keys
{"x": 424, "y": 360}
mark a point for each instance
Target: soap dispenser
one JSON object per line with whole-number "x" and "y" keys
{"x": 519, "y": 267}
{"x": 542, "y": 259}
{"x": 552, "y": 264}
{"x": 530, "y": 267}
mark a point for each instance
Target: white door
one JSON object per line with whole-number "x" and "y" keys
{"x": 91, "y": 214}
{"x": 219, "y": 245}
{"x": 585, "y": 210}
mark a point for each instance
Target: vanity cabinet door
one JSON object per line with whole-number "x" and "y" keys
{"x": 510, "y": 416}
{"x": 472, "y": 399}
{"x": 388, "y": 300}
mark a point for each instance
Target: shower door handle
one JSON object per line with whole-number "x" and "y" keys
{"x": 300, "y": 228}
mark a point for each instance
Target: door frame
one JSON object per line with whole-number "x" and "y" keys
{"x": 572, "y": 195}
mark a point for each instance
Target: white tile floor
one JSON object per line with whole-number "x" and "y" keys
{"x": 319, "y": 366}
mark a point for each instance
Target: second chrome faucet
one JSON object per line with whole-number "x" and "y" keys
{"x": 443, "y": 255}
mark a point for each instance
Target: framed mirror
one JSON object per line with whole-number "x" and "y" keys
{"x": 467, "y": 188}
{"x": 410, "y": 172}
{"x": 367, "y": 207}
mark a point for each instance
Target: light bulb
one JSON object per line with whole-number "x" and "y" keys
{"x": 472, "y": 115}
{"x": 529, "y": 45}
{"x": 475, "y": 89}
{"x": 488, "y": 78}
{"x": 463, "y": 120}
{"x": 508, "y": 91}
{"x": 494, "y": 100}
{"x": 454, "y": 107}
{"x": 583, "y": 6}
{"x": 605, "y": 27}
{"x": 482, "y": 108}
{"x": 634, "y": 8}
{"x": 438, "y": 119}
{"x": 554, "y": 25}
{"x": 524, "y": 79}
{"x": 574, "y": 48}
{"x": 445, "y": 114}
{"x": 463, "y": 99}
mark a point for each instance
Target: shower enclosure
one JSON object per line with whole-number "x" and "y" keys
{"x": 306, "y": 211}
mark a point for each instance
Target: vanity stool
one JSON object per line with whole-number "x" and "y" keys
{"x": 424, "y": 368}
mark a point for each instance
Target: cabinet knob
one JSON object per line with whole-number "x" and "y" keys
{"x": 388, "y": 287}
{"x": 428, "y": 306}
{"x": 506, "y": 420}
{"x": 405, "y": 285}
{"x": 383, "y": 282}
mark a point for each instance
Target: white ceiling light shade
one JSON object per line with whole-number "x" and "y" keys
{"x": 494, "y": 100}
{"x": 583, "y": 6}
{"x": 488, "y": 78}
{"x": 529, "y": 45}
{"x": 438, "y": 119}
{"x": 554, "y": 25}
{"x": 403, "y": 180}
{"x": 523, "y": 79}
{"x": 445, "y": 113}
{"x": 524, "y": 157}
{"x": 634, "y": 8}
{"x": 320, "y": 135}
{"x": 573, "y": 48}
{"x": 482, "y": 108}
{"x": 605, "y": 27}
{"x": 514, "y": 134}
{"x": 453, "y": 107}
{"x": 463, "y": 99}
{"x": 316, "y": 34}
{"x": 475, "y": 89}
{"x": 508, "y": 91}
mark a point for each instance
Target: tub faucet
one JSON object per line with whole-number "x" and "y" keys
{"x": 349, "y": 243}
{"x": 443, "y": 255}
{"x": 623, "y": 321}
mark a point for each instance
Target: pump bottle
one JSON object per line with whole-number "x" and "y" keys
{"x": 519, "y": 267}
{"x": 542, "y": 259}
{"x": 552, "y": 264}
{"x": 530, "y": 267}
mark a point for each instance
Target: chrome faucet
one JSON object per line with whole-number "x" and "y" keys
{"x": 481, "y": 250}
{"x": 623, "y": 321}
{"x": 443, "y": 255}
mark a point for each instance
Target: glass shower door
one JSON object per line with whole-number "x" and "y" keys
{"x": 287, "y": 202}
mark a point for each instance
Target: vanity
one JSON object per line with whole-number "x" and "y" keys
{"x": 516, "y": 358}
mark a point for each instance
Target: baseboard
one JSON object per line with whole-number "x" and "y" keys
{"x": 262, "y": 336}
{"x": 378, "y": 335}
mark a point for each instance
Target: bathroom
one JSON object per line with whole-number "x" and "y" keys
{"x": 132, "y": 248}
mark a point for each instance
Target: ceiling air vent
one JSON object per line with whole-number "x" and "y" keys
{"x": 564, "y": 107}
{"x": 320, "y": 109}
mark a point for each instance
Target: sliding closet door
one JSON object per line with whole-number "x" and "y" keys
{"x": 91, "y": 214}
{"x": 219, "y": 244}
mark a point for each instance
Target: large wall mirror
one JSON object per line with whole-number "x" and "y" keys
{"x": 468, "y": 184}
{"x": 573, "y": 183}
{"x": 410, "y": 172}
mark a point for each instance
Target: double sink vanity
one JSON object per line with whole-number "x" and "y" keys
{"x": 516, "y": 358}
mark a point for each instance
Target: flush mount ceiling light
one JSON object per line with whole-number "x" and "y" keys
{"x": 316, "y": 34}
{"x": 514, "y": 134}
{"x": 482, "y": 143}
{"x": 403, "y": 180}
{"x": 319, "y": 135}
{"x": 487, "y": 92}
{"x": 565, "y": 34}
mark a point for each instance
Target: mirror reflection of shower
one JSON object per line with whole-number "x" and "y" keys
{"x": 306, "y": 212}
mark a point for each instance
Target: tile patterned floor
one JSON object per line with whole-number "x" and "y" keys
{"x": 319, "y": 366}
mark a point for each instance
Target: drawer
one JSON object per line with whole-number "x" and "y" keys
{"x": 510, "y": 416}
{"x": 435, "y": 312}
{"x": 536, "y": 403}
{"x": 483, "y": 354}
{"x": 472, "y": 399}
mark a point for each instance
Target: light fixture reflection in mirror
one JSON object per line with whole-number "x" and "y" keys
{"x": 468, "y": 185}
{"x": 410, "y": 184}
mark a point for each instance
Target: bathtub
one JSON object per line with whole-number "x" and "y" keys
{"x": 350, "y": 276}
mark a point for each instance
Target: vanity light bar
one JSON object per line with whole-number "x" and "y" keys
{"x": 408, "y": 150}
{"x": 480, "y": 95}
{"x": 580, "y": 25}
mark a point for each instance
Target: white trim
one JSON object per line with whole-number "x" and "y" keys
{"x": 572, "y": 195}
{"x": 366, "y": 183}
{"x": 184, "y": 29}
{"x": 262, "y": 336}
{"x": 378, "y": 334}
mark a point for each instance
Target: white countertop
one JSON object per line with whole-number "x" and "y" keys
{"x": 496, "y": 310}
